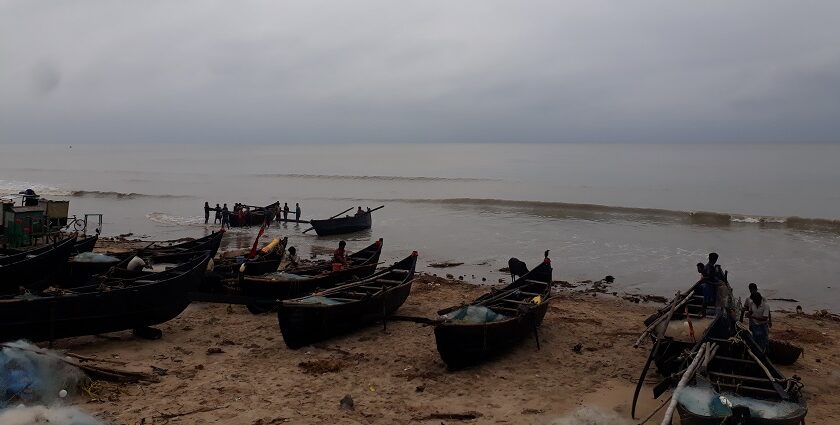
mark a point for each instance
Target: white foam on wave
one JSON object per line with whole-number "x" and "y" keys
{"x": 13, "y": 187}
{"x": 174, "y": 220}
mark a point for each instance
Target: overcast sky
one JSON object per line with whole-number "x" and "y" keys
{"x": 419, "y": 71}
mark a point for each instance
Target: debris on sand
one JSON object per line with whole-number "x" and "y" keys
{"x": 346, "y": 403}
{"x": 445, "y": 264}
{"x": 319, "y": 366}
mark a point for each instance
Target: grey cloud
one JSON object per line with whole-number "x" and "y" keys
{"x": 419, "y": 71}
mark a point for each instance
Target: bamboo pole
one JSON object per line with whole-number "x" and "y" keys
{"x": 666, "y": 420}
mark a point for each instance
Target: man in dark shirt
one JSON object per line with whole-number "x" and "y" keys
{"x": 285, "y": 210}
{"x": 206, "y": 212}
{"x": 711, "y": 282}
{"x": 297, "y": 211}
{"x": 218, "y": 218}
{"x": 339, "y": 260}
{"x": 225, "y": 217}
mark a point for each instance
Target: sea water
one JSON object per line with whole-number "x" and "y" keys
{"x": 642, "y": 213}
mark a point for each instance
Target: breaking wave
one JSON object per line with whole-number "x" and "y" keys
{"x": 377, "y": 178}
{"x": 595, "y": 211}
{"x": 120, "y": 195}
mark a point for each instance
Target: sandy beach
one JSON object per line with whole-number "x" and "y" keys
{"x": 220, "y": 364}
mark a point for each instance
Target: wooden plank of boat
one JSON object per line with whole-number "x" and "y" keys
{"x": 307, "y": 320}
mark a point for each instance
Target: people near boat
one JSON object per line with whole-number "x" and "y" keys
{"x": 30, "y": 198}
{"x": 359, "y": 211}
{"x": 218, "y": 218}
{"x": 339, "y": 259}
{"x": 206, "y": 212}
{"x": 759, "y": 315}
{"x": 294, "y": 260}
{"x": 297, "y": 211}
{"x": 749, "y": 305}
{"x": 285, "y": 210}
{"x": 225, "y": 217}
{"x": 711, "y": 282}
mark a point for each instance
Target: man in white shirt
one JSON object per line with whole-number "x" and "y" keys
{"x": 759, "y": 315}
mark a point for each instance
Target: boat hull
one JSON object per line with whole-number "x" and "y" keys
{"x": 463, "y": 345}
{"x": 341, "y": 225}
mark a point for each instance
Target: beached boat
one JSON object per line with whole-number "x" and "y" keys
{"x": 31, "y": 269}
{"x": 85, "y": 245}
{"x": 495, "y": 322}
{"x": 346, "y": 224}
{"x": 306, "y": 280}
{"x": 112, "y": 304}
{"x": 347, "y": 307}
{"x": 739, "y": 385}
{"x": 176, "y": 253}
{"x": 263, "y": 263}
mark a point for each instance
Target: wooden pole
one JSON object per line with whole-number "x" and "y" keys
{"x": 666, "y": 420}
{"x": 662, "y": 318}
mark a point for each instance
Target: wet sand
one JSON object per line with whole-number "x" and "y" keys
{"x": 224, "y": 365}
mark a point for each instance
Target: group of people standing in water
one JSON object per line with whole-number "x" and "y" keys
{"x": 717, "y": 293}
{"x": 271, "y": 213}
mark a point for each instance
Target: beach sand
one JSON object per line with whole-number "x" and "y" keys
{"x": 394, "y": 375}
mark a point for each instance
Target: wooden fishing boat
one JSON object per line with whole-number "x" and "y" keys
{"x": 339, "y": 225}
{"x": 347, "y": 307}
{"x": 263, "y": 263}
{"x": 32, "y": 269}
{"x": 176, "y": 253}
{"x": 112, "y": 304}
{"x": 739, "y": 385}
{"x": 85, "y": 245}
{"x": 306, "y": 280}
{"x": 495, "y": 322}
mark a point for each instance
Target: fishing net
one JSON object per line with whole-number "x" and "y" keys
{"x": 475, "y": 314}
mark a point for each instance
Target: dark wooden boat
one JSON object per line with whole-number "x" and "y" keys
{"x": 515, "y": 312}
{"x": 85, "y": 245}
{"x": 32, "y": 269}
{"x": 176, "y": 253}
{"x": 783, "y": 352}
{"x": 263, "y": 263}
{"x": 313, "y": 278}
{"x": 341, "y": 225}
{"x": 739, "y": 372}
{"x": 113, "y": 304}
{"x": 347, "y": 307}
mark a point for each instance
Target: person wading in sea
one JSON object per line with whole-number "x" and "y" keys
{"x": 297, "y": 212}
{"x": 339, "y": 260}
{"x": 285, "y": 211}
{"x": 225, "y": 217}
{"x": 206, "y": 212}
{"x": 218, "y": 218}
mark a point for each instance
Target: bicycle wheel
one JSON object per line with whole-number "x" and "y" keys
{"x": 78, "y": 225}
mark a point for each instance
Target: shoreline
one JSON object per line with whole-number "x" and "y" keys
{"x": 396, "y": 376}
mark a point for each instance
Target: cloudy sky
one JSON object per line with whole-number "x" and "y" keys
{"x": 419, "y": 71}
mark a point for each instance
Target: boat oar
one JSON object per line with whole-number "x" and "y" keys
{"x": 377, "y": 208}
{"x": 348, "y": 209}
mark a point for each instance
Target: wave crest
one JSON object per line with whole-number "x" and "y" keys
{"x": 376, "y": 178}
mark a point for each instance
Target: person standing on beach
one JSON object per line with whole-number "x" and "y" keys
{"x": 749, "y": 305}
{"x": 297, "y": 212}
{"x": 218, "y": 218}
{"x": 759, "y": 321}
{"x": 206, "y": 212}
{"x": 225, "y": 217}
{"x": 285, "y": 211}
{"x": 339, "y": 260}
